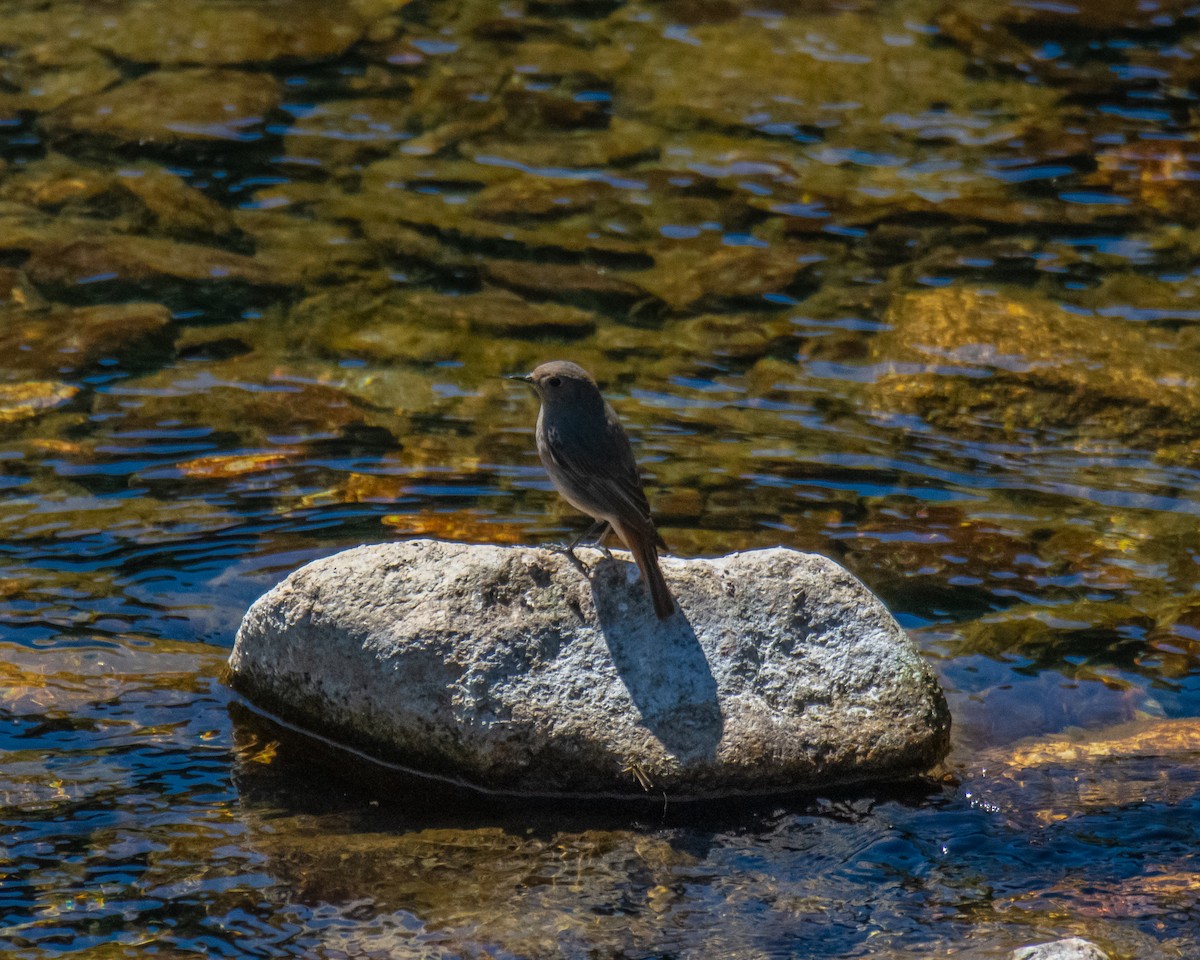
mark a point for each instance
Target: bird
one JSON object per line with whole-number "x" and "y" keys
{"x": 590, "y": 461}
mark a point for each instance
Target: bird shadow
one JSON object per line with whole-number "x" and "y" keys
{"x": 661, "y": 663}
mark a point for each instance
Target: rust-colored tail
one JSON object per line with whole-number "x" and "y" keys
{"x": 645, "y": 555}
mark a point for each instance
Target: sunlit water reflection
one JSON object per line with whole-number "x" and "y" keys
{"x": 912, "y": 286}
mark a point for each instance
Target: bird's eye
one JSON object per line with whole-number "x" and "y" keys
{"x": 554, "y": 381}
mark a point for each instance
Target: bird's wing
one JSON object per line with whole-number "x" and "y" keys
{"x": 610, "y": 476}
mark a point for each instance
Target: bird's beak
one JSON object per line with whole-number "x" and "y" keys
{"x": 527, "y": 378}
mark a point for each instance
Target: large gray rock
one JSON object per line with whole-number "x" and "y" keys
{"x": 1073, "y": 948}
{"x": 505, "y": 668}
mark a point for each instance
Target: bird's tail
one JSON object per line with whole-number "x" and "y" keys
{"x": 641, "y": 545}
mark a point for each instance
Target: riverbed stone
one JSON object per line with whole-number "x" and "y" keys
{"x": 580, "y": 283}
{"x": 218, "y": 34}
{"x": 978, "y": 360}
{"x": 1045, "y": 780}
{"x": 622, "y": 142}
{"x": 127, "y": 259}
{"x": 342, "y": 133}
{"x": 69, "y": 341}
{"x": 752, "y": 73}
{"x": 692, "y": 276}
{"x": 423, "y": 326}
{"x": 24, "y": 401}
{"x": 508, "y": 669}
{"x": 171, "y": 108}
{"x": 144, "y": 195}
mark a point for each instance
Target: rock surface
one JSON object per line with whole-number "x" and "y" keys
{"x": 504, "y": 668}
{"x": 1073, "y": 948}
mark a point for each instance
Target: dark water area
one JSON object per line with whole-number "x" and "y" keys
{"x": 913, "y": 285}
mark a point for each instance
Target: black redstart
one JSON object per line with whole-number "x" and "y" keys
{"x": 590, "y": 462}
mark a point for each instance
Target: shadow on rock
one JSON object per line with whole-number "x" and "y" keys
{"x": 661, "y": 663}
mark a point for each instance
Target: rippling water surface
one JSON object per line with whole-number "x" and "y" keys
{"x": 913, "y": 285}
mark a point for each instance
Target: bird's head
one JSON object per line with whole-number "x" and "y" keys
{"x": 561, "y": 382}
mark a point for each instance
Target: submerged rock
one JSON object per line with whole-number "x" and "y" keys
{"x": 68, "y": 341}
{"x": 504, "y": 668}
{"x": 785, "y": 75}
{"x": 975, "y": 360}
{"x": 425, "y": 326}
{"x": 23, "y": 401}
{"x": 690, "y": 276}
{"x": 45, "y": 62}
{"x": 580, "y": 283}
{"x": 17, "y": 293}
{"x": 622, "y": 142}
{"x": 255, "y": 398}
{"x": 125, "y": 259}
{"x": 342, "y": 133}
{"x": 219, "y": 34}
{"x": 142, "y": 196}
{"x": 1045, "y": 780}
{"x": 171, "y": 107}
{"x": 173, "y": 206}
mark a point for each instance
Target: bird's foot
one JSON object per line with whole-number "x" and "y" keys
{"x": 568, "y": 551}
{"x": 597, "y": 533}
{"x": 600, "y": 529}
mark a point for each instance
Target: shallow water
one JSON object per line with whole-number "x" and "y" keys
{"x": 912, "y": 285}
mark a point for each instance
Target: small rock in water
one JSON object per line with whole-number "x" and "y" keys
{"x": 506, "y": 669}
{"x": 64, "y": 341}
{"x": 170, "y": 108}
{"x": 121, "y": 258}
{"x": 227, "y": 34}
{"x": 1073, "y": 948}
{"x": 23, "y": 401}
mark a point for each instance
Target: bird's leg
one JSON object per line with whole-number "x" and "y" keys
{"x": 574, "y": 560}
{"x": 598, "y": 532}
{"x": 600, "y": 541}
{"x": 600, "y": 527}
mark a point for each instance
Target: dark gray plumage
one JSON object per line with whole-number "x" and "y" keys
{"x": 590, "y": 461}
